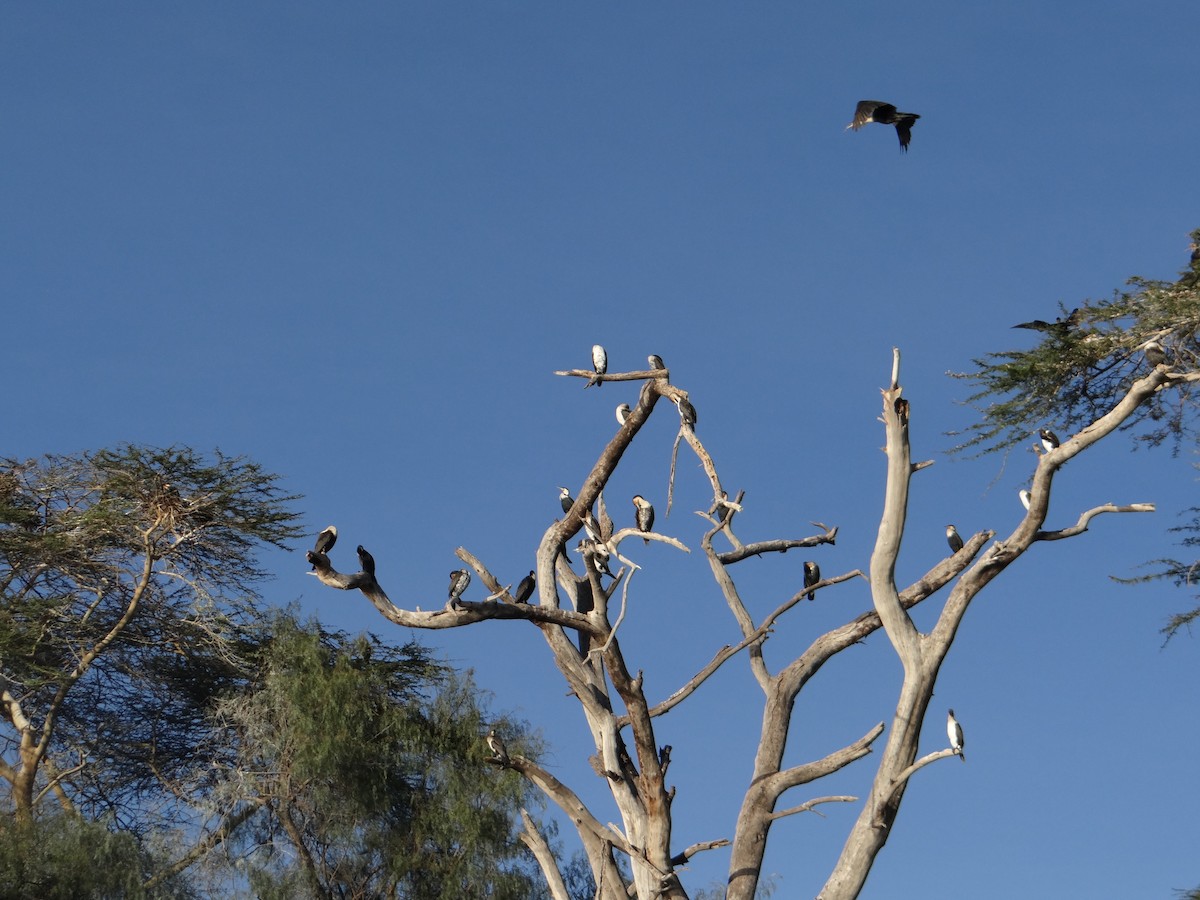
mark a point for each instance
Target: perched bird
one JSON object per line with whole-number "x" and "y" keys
{"x": 953, "y": 539}
{"x": 655, "y": 361}
{"x": 1049, "y": 439}
{"x": 1155, "y": 354}
{"x": 366, "y": 560}
{"x": 525, "y": 588}
{"x": 901, "y": 406}
{"x": 326, "y": 539}
{"x": 598, "y": 554}
{"x": 644, "y": 515}
{"x": 687, "y": 412}
{"x": 1026, "y": 497}
{"x": 885, "y": 114}
{"x": 599, "y": 363}
{"x": 496, "y": 745}
{"x": 590, "y": 525}
{"x": 954, "y": 732}
{"x": 565, "y": 498}
{"x": 459, "y": 579}
{"x": 812, "y": 574}
{"x": 1059, "y": 326}
{"x": 622, "y": 413}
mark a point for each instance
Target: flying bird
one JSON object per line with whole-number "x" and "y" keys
{"x": 812, "y": 574}
{"x": 655, "y": 361}
{"x": 459, "y": 579}
{"x": 525, "y": 588}
{"x": 1049, "y": 439}
{"x": 599, "y": 363}
{"x": 954, "y": 732}
{"x": 1059, "y": 326}
{"x": 622, "y": 413}
{"x": 565, "y": 498}
{"x": 1026, "y": 497}
{"x": 884, "y": 114}
{"x": 496, "y": 745}
{"x": 953, "y": 539}
{"x": 644, "y": 515}
{"x": 687, "y": 412}
{"x": 366, "y": 560}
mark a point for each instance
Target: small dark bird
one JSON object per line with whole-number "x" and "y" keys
{"x": 326, "y": 539}
{"x": 655, "y": 361}
{"x": 496, "y": 745}
{"x": 366, "y": 560}
{"x": 902, "y": 411}
{"x": 687, "y": 412}
{"x": 1049, "y": 439}
{"x": 622, "y": 413}
{"x": 812, "y": 574}
{"x": 885, "y": 114}
{"x": 459, "y": 579}
{"x": 599, "y": 363}
{"x": 644, "y": 515}
{"x": 1155, "y": 354}
{"x": 1026, "y": 497}
{"x": 525, "y": 588}
{"x": 954, "y": 732}
{"x": 1059, "y": 326}
{"x": 565, "y": 498}
{"x": 953, "y": 539}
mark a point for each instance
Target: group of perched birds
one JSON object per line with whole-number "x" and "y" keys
{"x": 687, "y": 412}
{"x": 325, "y": 541}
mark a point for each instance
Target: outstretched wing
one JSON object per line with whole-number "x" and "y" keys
{"x": 866, "y": 112}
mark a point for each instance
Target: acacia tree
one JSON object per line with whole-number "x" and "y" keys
{"x": 573, "y": 601}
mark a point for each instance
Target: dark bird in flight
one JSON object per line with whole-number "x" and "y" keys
{"x": 1049, "y": 439}
{"x": 599, "y": 363}
{"x": 366, "y": 560}
{"x": 1059, "y": 326}
{"x": 459, "y": 579}
{"x": 1155, "y": 354}
{"x": 655, "y": 361}
{"x": 525, "y": 588}
{"x": 953, "y": 539}
{"x": 622, "y": 413}
{"x": 812, "y": 574}
{"x": 565, "y": 498}
{"x": 1026, "y": 497}
{"x": 325, "y": 541}
{"x": 954, "y": 732}
{"x": 496, "y": 745}
{"x": 687, "y": 412}
{"x": 644, "y": 515}
{"x": 885, "y": 114}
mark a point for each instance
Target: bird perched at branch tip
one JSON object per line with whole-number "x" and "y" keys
{"x": 953, "y": 539}
{"x": 496, "y": 745}
{"x": 622, "y": 413}
{"x": 459, "y": 579}
{"x": 955, "y": 733}
{"x": 1155, "y": 354}
{"x": 525, "y": 588}
{"x": 812, "y": 574}
{"x": 1049, "y": 439}
{"x": 884, "y": 114}
{"x": 325, "y": 541}
{"x": 599, "y": 364}
{"x": 366, "y": 560}
{"x": 655, "y": 361}
{"x": 644, "y": 515}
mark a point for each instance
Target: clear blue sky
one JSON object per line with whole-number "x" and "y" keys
{"x": 354, "y": 240}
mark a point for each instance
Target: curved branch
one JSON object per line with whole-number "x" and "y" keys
{"x": 1085, "y": 517}
{"x": 778, "y": 546}
{"x": 809, "y": 806}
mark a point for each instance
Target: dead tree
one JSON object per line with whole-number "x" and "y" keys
{"x": 612, "y": 694}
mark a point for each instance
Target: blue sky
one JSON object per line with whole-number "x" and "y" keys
{"x": 354, "y": 241}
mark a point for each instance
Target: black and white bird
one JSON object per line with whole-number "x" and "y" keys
{"x": 599, "y": 364}
{"x": 1049, "y": 439}
{"x": 591, "y": 526}
{"x": 687, "y": 412}
{"x": 459, "y": 579}
{"x": 1059, "y": 327}
{"x": 1026, "y": 497}
{"x": 953, "y": 539}
{"x": 644, "y": 515}
{"x": 622, "y": 413}
{"x": 325, "y": 541}
{"x": 366, "y": 560}
{"x": 812, "y": 574}
{"x": 496, "y": 745}
{"x": 598, "y": 554}
{"x": 525, "y": 588}
{"x": 565, "y": 498}
{"x": 1155, "y": 354}
{"x": 954, "y": 732}
{"x": 655, "y": 361}
{"x": 885, "y": 114}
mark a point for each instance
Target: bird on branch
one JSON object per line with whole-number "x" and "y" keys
{"x": 953, "y": 539}
{"x": 1026, "y": 497}
{"x": 599, "y": 364}
{"x": 565, "y": 498}
{"x": 622, "y": 413}
{"x": 496, "y": 745}
{"x": 687, "y": 412}
{"x": 955, "y": 733}
{"x": 1049, "y": 439}
{"x": 525, "y": 588}
{"x": 812, "y": 574}
{"x": 459, "y": 579}
{"x": 644, "y": 515}
{"x": 655, "y": 361}
{"x": 366, "y": 560}
{"x": 869, "y": 111}
{"x": 325, "y": 541}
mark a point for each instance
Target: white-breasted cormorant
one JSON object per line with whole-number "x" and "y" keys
{"x": 1155, "y": 354}
{"x": 812, "y": 574}
{"x": 599, "y": 364}
{"x": 644, "y": 515}
{"x": 954, "y": 732}
{"x": 622, "y": 413}
{"x": 496, "y": 745}
{"x": 687, "y": 412}
{"x": 1049, "y": 439}
{"x": 953, "y": 539}
{"x": 565, "y": 498}
{"x": 655, "y": 361}
{"x": 1026, "y": 497}
{"x": 885, "y": 114}
{"x": 459, "y": 579}
{"x": 326, "y": 539}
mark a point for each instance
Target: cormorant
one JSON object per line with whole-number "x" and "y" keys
{"x": 459, "y": 579}
{"x": 525, "y": 588}
{"x": 599, "y": 555}
{"x": 901, "y": 406}
{"x": 1049, "y": 439}
{"x": 622, "y": 413}
{"x": 655, "y": 361}
{"x": 326, "y": 539}
{"x": 496, "y": 745}
{"x": 644, "y": 515}
{"x": 953, "y": 539}
{"x": 812, "y": 574}
{"x": 687, "y": 412}
{"x": 1026, "y": 497}
{"x": 599, "y": 363}
{"x": 884, "y": 114}
{"x": 590, "y": 525}
{"x": 954, "y": 732}
{"x": 366, "y": 560}
{"x": 1155, "y": 355}
{"x": 565, "y": 498}
{"x": 1059, "y": 326}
